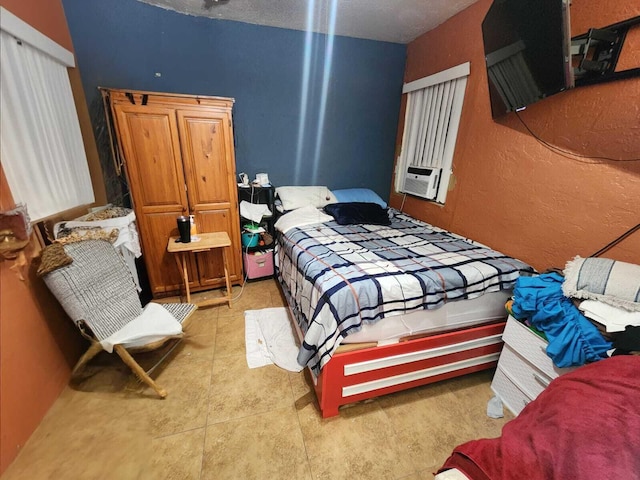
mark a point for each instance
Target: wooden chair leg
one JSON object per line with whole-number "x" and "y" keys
{"x": 94, "y": 349}
{"x": 137, "y": 369}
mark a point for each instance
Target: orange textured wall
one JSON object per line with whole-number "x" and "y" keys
{"x": 38, "y": 346}
{"x": 46, "y": 16}
{"x": 513, "y": 193}
{"x": 38, "y": 343}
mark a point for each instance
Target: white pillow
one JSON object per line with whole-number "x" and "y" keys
{"x": 298, "y": 197}
{"x": 610, "y": 281}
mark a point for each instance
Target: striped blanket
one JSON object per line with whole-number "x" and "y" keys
{"x": 339, "y": 277}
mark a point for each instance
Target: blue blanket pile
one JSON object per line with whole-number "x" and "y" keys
{"x": 573, "y": 340}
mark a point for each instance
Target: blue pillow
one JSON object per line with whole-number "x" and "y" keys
{"x": 362, "y": 195}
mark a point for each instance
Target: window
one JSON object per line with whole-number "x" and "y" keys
{"x": 43, "y": 156}
{"x": 434, "y": 106}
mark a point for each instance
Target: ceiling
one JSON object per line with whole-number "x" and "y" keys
{"x": 398, "y": 21}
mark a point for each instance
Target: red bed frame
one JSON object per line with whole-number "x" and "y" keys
{"x": 357, "y": 375}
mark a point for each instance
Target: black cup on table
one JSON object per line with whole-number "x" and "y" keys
{"x": 184, "y": 227}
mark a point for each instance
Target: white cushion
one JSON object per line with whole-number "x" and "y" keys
{"x": 155, "y": 323}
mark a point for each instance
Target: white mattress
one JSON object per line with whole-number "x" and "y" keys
{"x": 451, "y": 316}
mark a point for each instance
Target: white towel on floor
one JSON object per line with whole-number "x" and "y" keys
{"x": 255, "y": 344}
{"x": 270, "y": 339}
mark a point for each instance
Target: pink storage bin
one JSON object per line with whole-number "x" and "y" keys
{"x": 258, "y": 264}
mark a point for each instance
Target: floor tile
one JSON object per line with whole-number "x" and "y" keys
{"x": 81, "y": 434}
{"x": 222, "y": 420}
{"x": 187, "y": 381}
{"x": 266, "y": 445}
{"x": 302, "y": 389}
{"x": 237, "y": 391}
{"x": 255, "y": 295}
{"x": 202, "y": 346}
{"x": 230, "y": 335}
{"x": 177, "y": 457}
{"x": 417, "y": 476}
{"x": 360, "y": 443}
{"x": 433, "y": 419}
{"x": 204, "y": 321}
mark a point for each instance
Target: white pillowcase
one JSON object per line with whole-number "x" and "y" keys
{"x": 298, "y": 197}
{"x": 301, "y": 217}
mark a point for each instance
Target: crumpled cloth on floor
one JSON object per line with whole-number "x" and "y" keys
{"x": 573, "y": 340}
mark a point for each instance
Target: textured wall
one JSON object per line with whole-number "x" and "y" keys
{"x": 512, "y": 192}
{"x": 38, "y": 343}
{"x": 46, "y": 17}
{"x": 125, "y": 43}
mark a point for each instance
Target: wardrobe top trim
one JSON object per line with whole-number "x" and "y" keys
{"x": 125, "y": 95}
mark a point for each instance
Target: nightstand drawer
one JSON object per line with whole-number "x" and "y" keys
{"x": 511, "y": 396}
{"x": 525, "y": 375}
{"x": 531, "y": 347}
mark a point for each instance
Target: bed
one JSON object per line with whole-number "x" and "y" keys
{"x": 342, "y": 275}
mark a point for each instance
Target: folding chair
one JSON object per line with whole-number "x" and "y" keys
{"x": 95, "y": 287}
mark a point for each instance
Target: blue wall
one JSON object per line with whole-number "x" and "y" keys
{"x": 124, "y": 43}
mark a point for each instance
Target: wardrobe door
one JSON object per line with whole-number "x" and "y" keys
{"x": 151, "y": 146}
{"x": 209, "y": 163}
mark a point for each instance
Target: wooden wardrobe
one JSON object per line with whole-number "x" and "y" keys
{"x": 178, "y": 154}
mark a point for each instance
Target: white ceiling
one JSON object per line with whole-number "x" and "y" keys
{"x": 398, "y": 21}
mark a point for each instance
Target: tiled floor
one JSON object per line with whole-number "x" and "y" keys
{"x": 222, "y": 420}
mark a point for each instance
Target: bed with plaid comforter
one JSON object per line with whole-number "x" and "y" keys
{"x": 339, "y": 277}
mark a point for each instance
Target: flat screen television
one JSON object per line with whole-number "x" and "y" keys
{"x": 527, "y": 46}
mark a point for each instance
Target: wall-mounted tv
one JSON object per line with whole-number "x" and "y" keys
{"x": 527, "y": 45}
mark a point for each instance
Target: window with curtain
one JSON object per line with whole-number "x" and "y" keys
{"x": 432, "y": 117}
{"x": 43, "y": 155}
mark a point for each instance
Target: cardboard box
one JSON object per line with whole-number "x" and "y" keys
{"x": 258, "y": 264}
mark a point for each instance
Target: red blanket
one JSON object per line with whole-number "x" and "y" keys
{"x": 585, "y": 425}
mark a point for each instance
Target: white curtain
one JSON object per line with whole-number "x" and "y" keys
{"x": 42, "y": 153}
{"x": 432, "y": 117}
{"x": 429, "y": 111}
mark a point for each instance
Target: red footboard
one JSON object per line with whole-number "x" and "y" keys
{"x": 360, "y": 374}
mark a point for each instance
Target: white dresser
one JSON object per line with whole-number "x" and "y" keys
{"x": 524, "y": 369}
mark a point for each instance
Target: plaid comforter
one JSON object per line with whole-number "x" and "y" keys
{"x": 338, "y": 278}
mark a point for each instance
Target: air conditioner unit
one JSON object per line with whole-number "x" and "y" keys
{"x": 422, "y": 182}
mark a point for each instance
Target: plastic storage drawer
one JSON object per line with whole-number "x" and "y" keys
{"x": 258, "y": 264}
{"x": 512, "y": 397}
{"x": 524, "y": 369}
{"x": 531, "y": 347}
